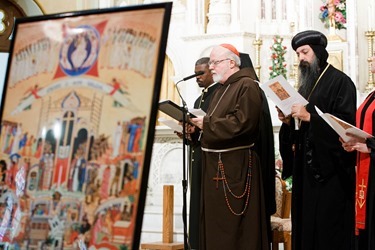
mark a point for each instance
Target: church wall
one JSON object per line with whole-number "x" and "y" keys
{"x": 51, "y": 7}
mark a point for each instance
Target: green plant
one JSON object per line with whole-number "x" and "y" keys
{"x": 289, "y": 183}
{"x": 277, "y": 57}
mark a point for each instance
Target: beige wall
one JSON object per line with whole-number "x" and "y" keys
{"x": 53, "y": 6}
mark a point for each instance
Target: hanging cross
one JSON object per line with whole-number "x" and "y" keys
{"x": 217, "y": 179}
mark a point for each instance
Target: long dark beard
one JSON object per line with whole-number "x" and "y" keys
{"x": 309, "y": 73}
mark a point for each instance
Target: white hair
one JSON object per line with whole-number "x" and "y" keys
{"x": 234, "y": 57}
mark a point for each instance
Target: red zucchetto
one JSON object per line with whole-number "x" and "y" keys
{"x": 231, "y": 48}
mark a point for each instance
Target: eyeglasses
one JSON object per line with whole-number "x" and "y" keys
{"x": 217, "y": 62}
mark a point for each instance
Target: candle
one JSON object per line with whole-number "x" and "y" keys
{"x": 257, "y": 29}
{"x": 371, "y": 16}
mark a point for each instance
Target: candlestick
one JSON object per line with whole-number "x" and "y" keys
{"x": 294, "y": 66}
{"x": 370, "y": 35}
{"x": 257, "y": 44}
{"x": 295, "y": 71}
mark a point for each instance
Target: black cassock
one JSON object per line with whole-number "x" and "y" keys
{"x": 195, "y": 171}
{"x": 323, "y": 173}
{"x": 264, "y": 146}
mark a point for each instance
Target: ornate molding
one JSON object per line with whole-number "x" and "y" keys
{"x": 10, "y": 10}
{"x": 166, "y": 167}
{"x": 215, "y": 36}
{"x": 229, "y": 35}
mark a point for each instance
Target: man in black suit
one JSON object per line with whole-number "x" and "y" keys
{"x": 206, "y": 82}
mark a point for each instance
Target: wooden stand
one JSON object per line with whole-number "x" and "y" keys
{"x": 167, "y": 243}
{"x": 162, "y": 246}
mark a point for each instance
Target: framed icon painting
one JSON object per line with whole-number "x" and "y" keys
{"x": 78, "y": 116}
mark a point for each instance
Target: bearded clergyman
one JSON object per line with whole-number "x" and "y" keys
{"x": 323, "y": 173}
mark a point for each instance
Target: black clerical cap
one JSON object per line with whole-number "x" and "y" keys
{"x": 309, "y": 37}
{"x": 315, "y": 39}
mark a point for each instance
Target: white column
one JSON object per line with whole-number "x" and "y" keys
{"x": 219, "y": 16}
{"x": 279, "y": 11}
{"x": 235, "y": 15}
{"x": 302, "y": 16}
{"x": 196, "y": 15}
{"x": 103, "y": 4}
{"x": 268, "y": 10}
{"x": 292, "y": 15}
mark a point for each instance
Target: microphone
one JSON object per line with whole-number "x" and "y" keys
{"x": 179, "y": 93}
{"x": 199, "y": 73}
{"x": 192, "y": 76}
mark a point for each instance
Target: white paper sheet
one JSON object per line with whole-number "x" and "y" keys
{"x": 171, "y": 124}
{"x": 342, "y": 127}
{"x": 282, "y": 94}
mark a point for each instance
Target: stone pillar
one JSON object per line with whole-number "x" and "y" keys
{"x": 219, "y": 16}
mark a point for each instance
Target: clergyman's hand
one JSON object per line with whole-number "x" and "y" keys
{"x": 179, "y": 134}
{"x": 198, "y": 121}
{"x": 299, "y": 111}
{"x": 354, "y": 138}
{"x": 353, "y": 144}
{"x": 282, "y": 117}
{"x": 189, "y": 129}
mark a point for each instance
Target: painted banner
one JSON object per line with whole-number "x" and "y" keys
{"x": 77, "y": 127}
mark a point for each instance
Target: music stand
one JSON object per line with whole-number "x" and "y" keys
{"x": 180, "y": 114}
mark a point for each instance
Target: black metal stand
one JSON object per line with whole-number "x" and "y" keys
{"x": 184, "y": 179}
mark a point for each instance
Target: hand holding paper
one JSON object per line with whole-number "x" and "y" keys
{"x": 342, "y": 128}
{"x": 198, "y": 121}
{"x": 282, "y": 94}
{"x": 350, "y": 146}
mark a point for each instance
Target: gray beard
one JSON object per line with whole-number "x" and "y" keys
{"x": 309, "y": 74}
{"x": 217, "y": 78}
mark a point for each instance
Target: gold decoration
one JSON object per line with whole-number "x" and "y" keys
{"x": 370, "y": 35}
{"x": 257, "y": 44}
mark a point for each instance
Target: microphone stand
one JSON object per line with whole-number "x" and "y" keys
{"x": 184, "y": 180}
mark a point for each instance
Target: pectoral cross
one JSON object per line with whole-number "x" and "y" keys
{"x": 217, "y": 179}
